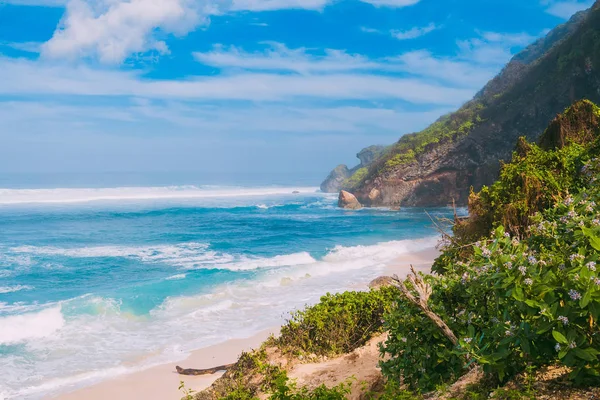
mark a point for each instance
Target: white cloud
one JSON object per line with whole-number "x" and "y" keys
{"x": 463, "y": 71}
{"x": 450, "y": 70}
{"x": 369, "y": 30}
{"x": 270, "y": 5}
{"x": 25, "y": 77}
{"x": 565, "y": 9}
{"x": 492, "y": 48}
{"x": 29, "y": 47}
{"x": 280, "y": 58}
{"x": 114, "y": 29}
{"x": 414, "y": 32}
{"x": 391, "y": 3}
{"x": 44, "y": 3}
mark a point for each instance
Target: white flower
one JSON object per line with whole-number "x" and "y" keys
{"x": 591, "y": 266}
{"x": 557, "y": 347}
{"x": 574, "y": 295}
{"x": 528, "y": 281}
{"x": 568, "y": 201}
{"x": 563, "y": 319}
{"x": 523, "y": 269}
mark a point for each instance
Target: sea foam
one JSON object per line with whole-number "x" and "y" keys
{"x": 68, "y": 195}
{"x": 16, "y": 288}
{"x": 25, "y": 327}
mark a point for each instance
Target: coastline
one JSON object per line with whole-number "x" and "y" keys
{"x": 161, "y": 382}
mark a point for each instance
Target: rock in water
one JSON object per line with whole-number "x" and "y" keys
{"x": 349, "y": 201}
{"x": 334, "y": 180}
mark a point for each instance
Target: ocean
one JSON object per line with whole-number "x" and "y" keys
{"x": 99, "y": 282}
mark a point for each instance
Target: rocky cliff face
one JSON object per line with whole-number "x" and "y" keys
{"x": 335, "y": 179}
{"x": 465, "y": 149}
{"x": 341, "y": 176}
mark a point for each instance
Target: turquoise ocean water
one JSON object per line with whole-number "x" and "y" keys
{"x": 99, "y": 282}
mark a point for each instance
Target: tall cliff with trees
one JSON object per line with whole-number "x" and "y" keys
{"x": 466, "y": 148}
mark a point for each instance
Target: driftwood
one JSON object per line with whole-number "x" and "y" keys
{"x": 207, "y": 371}
{"x": 423, "y": 293}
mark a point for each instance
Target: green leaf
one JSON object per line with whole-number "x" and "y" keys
{"x": 594, "y": 240}
{"x": 545, "y": 327}
{"x": 559, "y": 337}
{"x": 586, "y": 299}
{"x": 532, "y": 303}
{"x": 518, "y": 294}
{"x": 584, "y": 355}
{"x": 563, "y": 353}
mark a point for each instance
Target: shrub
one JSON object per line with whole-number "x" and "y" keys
{"x": 420, "y": 356}
{"x": 287, "y": 390}
{"x": 338, "y": 324}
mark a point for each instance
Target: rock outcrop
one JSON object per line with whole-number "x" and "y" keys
{"x": 333, "y": 182}
{"x": 465, "y": 149}
{"x": 369, "y": 154}
{"x": 348, "y": 201}
{"x": 341, "y": 175}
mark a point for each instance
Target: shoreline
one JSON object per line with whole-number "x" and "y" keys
{"x": 162, "y": 382}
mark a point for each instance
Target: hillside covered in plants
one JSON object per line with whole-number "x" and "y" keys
{"x": 465, "y": 149}
{"x": 514, "y": 294}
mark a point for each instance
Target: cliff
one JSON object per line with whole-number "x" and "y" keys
{"x": 465, "y": 149}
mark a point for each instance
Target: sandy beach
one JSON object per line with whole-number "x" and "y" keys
{"x": 162, "y": 382}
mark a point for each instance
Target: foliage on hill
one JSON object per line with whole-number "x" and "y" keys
{"x": 538, "y": 175}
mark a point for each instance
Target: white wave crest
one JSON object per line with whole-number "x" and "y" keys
{"x": 381, "y": 252}
{"x": 16, "y": 288}
{"x": 186, "y": 255}
{"x": 176, "y": 277}
{"x": 20, "y": 328}
{"x": 66, "y": 195}
{"x": 248, "y": 263}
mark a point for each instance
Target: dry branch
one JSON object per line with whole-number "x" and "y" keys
{"x": 421, "y": 300}
{"x": 207, "y": 371}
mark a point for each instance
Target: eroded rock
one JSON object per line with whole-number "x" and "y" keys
{"x": 348, "y": 201}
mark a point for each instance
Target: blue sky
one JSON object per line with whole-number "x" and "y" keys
{"x": 246, "y": 86}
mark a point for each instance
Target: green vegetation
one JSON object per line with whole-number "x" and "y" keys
{"x": 528, "y": 294}
{"x": 338, "y": 324}
{"x": 451, "y": 127}
{"x": 356, "y": 178}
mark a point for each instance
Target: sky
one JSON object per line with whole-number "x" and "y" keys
{"x": 241, "y": 86}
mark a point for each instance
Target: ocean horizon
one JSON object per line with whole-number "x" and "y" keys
{"x": 101, "y": 282}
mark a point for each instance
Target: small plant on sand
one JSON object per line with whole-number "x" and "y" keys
{"x": 188, "y": 394}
